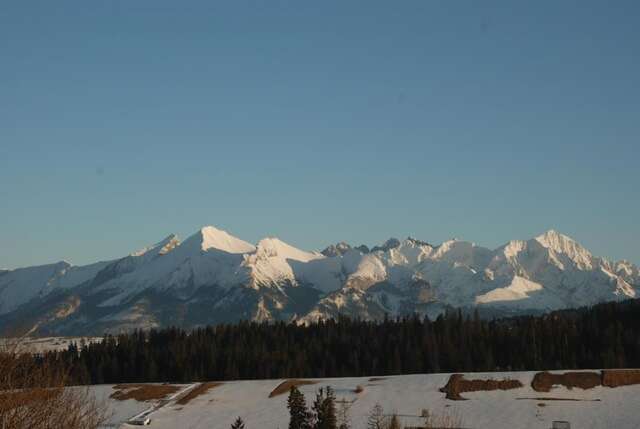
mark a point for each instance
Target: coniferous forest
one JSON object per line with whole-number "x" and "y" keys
{"x": 603, "y": 336}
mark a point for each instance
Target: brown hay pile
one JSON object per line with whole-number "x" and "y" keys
{"x": 457, "y": 385}
{"x": 544, "y": 381}
{"x": 620, "y": 377}
{"x": 286, "y": 386}
{"x": 143, "y": 392}
{"x": 200, "y": 389}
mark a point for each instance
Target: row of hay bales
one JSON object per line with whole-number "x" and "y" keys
{"x": 544, "y": 381}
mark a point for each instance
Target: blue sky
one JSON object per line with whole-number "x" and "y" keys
{"x": 121, "y": 122}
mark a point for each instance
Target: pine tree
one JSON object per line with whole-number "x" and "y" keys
{"x": 238, "y": 424}
{"x": 324, "y": 409}
{"x": 297, "y": 405}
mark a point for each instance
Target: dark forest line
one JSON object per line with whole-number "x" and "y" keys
{"x": 603, "y": 336}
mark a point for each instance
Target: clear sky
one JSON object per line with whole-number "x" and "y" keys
{"x": 124, "y": 121}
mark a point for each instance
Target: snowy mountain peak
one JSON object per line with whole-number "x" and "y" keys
{"x": 552, "y": 239}
{"x": 162, "y": 247}
{"x": 213, "y": 277}
{"x": 454, "y": 246}
{"x": 417, "y": 242}
{"x": 336, "y": 249}
{"x": 625, "y": 267}
{"x": 391, "y": 243}
{"x": 168, "y": 244}
{"x": 513, "y": 248}
{"x": 210, "y": 237}
{"x": 63, "y": 264}
{"x": 565, "y": 245}
{"x": 629, "y": 271}
{"x": 274, "y": 247}
{"x": 169, "y": 238}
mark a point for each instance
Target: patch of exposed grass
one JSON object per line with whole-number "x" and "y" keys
{"x": 286, "y": 386}
{"x": 143, "y": 392}
{"x": 200, "y": 389}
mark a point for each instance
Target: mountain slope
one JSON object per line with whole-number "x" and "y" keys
{"x": 22, "y": 285}
{"x": 214, "y": 277}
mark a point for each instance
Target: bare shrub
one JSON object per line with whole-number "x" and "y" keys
{"x": 343, "y": 418}
{"x": 33, "y": 395}
{"x": 393, "y": 422}
{"x": 446, "y": 420}
{"x": 376, "y": 419}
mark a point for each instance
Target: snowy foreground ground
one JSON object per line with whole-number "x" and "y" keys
{"x": 406, "y": 395}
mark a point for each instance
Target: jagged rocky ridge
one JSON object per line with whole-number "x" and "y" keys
{"x": 213, "y": 277}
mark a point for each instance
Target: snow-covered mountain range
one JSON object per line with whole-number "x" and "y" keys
{"x": 213, "y": 277}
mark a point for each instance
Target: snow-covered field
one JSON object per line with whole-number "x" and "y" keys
{"x": 406, "y": 395}
{"x": 43, "y": 344}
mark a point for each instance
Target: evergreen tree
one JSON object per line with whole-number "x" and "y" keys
{"x": 299, "y": 416}
{"x": 324, "y": 409}
{"x": 238, "y": 424}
